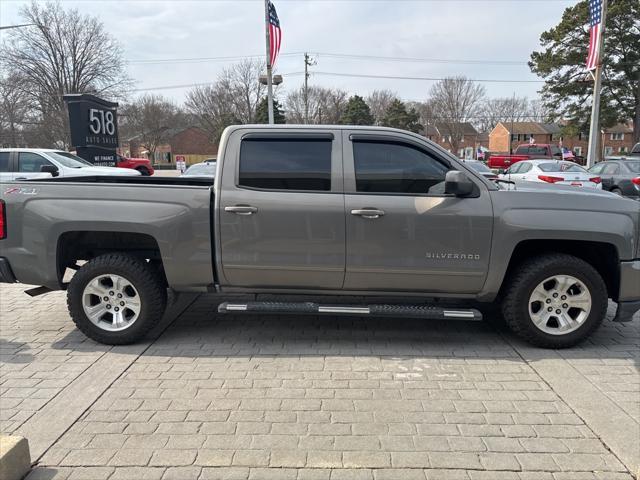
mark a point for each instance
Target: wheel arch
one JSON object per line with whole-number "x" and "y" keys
{"x": 602, "y": 256}
{"x": 84, "y": 245}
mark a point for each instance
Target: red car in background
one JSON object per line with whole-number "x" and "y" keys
{"x": 143, "y": 165}
{"x": 525, "y": 152}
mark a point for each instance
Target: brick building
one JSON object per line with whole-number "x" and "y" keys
{"x": 470, "y": 138}
{"x": 193, "y": 143}
{"x": 618, "y": 139}
{"x": 506, "y": 136}
{"x": 615, "y": 140}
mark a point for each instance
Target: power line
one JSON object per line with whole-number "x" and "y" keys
{"x": 192, "y": 85}
{"x": 333, "y": 55}
{"x": 434, "y": 79}
{"x": 203, "y": 59}
{"x": 418, "y": 60}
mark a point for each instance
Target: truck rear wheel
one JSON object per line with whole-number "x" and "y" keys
{"x": 554, "y": 301}
{"x": 116, "y": 299}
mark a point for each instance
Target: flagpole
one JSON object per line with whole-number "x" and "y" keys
{"x": 269, "y": 77}
{"x": 593, "y": 153}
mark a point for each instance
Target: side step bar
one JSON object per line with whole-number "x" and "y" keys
{"x": 404, "y": 311}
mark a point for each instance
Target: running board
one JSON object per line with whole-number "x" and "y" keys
{"x": 404, "y": 311}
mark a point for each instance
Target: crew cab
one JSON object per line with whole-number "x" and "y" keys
{"x": 142, "y": 165}
{"x": 525, "y": 152}
{"x": 370, "y": 221}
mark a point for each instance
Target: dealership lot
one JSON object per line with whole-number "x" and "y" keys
{"x": 307, "y": 397}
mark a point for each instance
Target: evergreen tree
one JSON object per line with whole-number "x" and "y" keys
{"x": 397, "y": 116}
{"x": 568, "y": 88}
{"x": 357, "y": 112}
{"x": 262, "y": 112}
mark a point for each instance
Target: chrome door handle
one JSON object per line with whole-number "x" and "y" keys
{"x": 371, "y": 213}
{"x": 241, "y": 209}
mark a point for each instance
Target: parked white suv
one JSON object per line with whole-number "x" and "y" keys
{"x": 32, "y": 163}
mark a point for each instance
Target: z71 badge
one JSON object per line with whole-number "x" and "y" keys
{"x": 21, "y": 191}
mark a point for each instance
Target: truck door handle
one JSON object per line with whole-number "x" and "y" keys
{"x": 241, "y": 209}
{"x": 371, "y": 213}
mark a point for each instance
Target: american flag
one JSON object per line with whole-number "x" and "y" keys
{"x": 275, "y": 34}
{"x": 595, "y": 33}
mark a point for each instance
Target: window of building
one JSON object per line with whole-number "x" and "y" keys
{"x": 622, "y": 150}
{"x": 4, "y": 161}
{"x": 29, "y": 162}
{"x": 577, "y": 151}
{"x": 389, "y": 167}
{"x": 286, "y": 164}
{"x": 617, "y": 136}
{"x": 608, "y": 151}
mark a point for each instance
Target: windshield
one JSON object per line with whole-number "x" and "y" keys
{"x": 479, "y": 166}
{"x": 70, "y": 160}
{"x": 204, "y": 169}
{"x": 561, "y": 167}
{"x": 633, "y": 166}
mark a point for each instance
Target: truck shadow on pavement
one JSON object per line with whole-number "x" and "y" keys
{"x": 199, "y": 331}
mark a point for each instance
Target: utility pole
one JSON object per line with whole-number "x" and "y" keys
{"x": 513, "y": 114}
{"x": 592, "y": 155}
{"x": 269, "y": 67}
{"x": 308, "y": 62}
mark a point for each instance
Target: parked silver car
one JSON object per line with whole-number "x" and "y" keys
{"x": 552, "y": 171}
{"x": 206, "y": 169}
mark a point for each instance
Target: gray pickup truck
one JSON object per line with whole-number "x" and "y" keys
{"x": 370, "y": 221}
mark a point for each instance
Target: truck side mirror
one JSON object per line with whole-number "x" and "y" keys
{"x": 49, "y": 169}
{"x": 456, "y": 183}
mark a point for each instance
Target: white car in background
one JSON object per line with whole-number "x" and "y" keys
{"x": 552, "y": 171}
{"x": 33, "y": 163}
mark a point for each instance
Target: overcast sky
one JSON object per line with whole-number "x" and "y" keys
{"x": 451, "y": 30}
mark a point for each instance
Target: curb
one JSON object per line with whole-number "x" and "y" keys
{"x": 15, "y": 460}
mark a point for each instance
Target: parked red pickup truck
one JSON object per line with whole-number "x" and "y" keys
{"x": 143, "y": 165}
{"x": 525, "y": 152}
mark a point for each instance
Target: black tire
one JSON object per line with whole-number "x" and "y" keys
{"x": 528, "y": 275}
{"x": 617, "y": 191}
{"x": 143, "y": 171}
{"x": 146, "y": 281}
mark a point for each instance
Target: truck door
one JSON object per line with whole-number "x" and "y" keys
{"x": 403, "y": 232}
{"x": 281, "y": 210}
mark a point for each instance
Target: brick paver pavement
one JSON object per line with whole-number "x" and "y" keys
{"x": 317, "y": 398}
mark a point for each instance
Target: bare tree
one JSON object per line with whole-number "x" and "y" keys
{"x": 14, "y": 111}
{"x": 213, "y": 108}
{"x": 455, "y": 101}
{"x": 246, "y": 91}
{"x": 149, "y": 119}
{"x": 504, "y": 109}
{"x": 63, "y": 52}
{"x": 325, "y": 105}
{"x": 379, "y": 102}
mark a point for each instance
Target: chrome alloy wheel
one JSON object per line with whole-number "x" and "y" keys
{"x": 560, "y": 304}
{"x": 111, "y": 302}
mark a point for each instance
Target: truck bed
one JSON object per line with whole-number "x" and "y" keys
{"x": 168, "y": 218}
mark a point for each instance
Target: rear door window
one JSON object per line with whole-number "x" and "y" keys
{"x": 29, "y": 162}
{"x": 524, "y": 167}
{"x": 612, "y": 169}
{"x": 4, "y": 161}
{"x": 286, "y": 164}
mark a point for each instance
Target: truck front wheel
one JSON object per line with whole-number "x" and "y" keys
{"x": 116, "y": 299}
{"x": 554, "y": 300}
